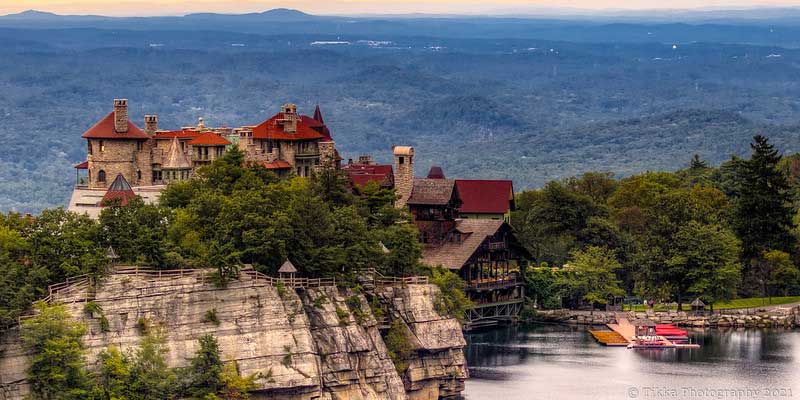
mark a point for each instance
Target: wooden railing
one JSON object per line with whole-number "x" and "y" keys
{"x": 379, "y": 279}
{"x": 496, "y": 246}
{"x": 496, "y": 283}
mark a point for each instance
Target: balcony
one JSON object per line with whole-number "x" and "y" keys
{"x": 500, "y": 282}
{"x": 307, "y": 154}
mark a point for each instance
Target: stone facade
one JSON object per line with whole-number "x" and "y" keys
{"x": 309, "y": 344}
{"x": 138, "y": 154}
{"x": 403, "y": 173}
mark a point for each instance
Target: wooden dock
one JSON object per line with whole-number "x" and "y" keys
{"x": 610, "y": 338}
{"x": 625, "y": 330}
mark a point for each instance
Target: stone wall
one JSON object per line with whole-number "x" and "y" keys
{"x": 788, "y": 317}
{"x": 308, "y": 344}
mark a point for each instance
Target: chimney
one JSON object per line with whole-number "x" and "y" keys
{"x": 150, "y": 124}
{"x": 403, "y": 173}
{"x": 121, "y": 115}
{"x": 290, "y": 118}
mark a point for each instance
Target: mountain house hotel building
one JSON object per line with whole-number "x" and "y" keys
{"x": 150, "y": 158}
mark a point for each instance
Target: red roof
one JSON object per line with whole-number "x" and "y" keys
{"x": 183, "y": 134}
{"x": 362, "y": 174}
{"x": 209, "y": 139}
{"x": 105, "y": 130}
{"x": 277, "y": 164}
{"x": 119, "y": 189}
{"x": 485, "y": 196}
{"x": 273, "y": 129}
{"x": 83, "y": 165}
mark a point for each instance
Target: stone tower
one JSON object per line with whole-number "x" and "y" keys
{"x": 121, "y": 115}
{"x": 150, "y": 124}
{"x": 403, "y": 173}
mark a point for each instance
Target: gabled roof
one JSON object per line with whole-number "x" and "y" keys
{"x": 273, "y": 129}
{"x": 175, "y": 157}
{"x": 119, "y": 189}
{"x": 287, "y": 268}
{"x": 362, "y": 174}
{"x": 485, "y": 196}
{"x": 453, "y": 255}
{"x": 209, "y": 139}
{"x": 182, "y": 134}
{"x": 435, "y": 192}
{"x": 104, "y": 129}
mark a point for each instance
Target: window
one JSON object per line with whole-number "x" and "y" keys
{"x": 101, "y": 176}
{"x": 102, "y": 146}
{"x": 89, "y": 143}
{"x": 402, "y": 160}
{"x": 139, "y": 145}
{"x": 139, "y": 174}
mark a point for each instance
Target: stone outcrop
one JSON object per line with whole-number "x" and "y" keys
{"x": 316, "y": 343}
{"x": 437, "y": 368}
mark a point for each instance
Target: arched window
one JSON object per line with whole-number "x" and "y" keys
{"x": 101, "y": 176}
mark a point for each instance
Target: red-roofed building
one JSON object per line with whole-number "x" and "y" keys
{"x": 365, "y": 171}
{"x": 483, "y": 198}
{"x": 286, "y": 142}
{"x": 120, "y": 191}
{"x": 302, "y": 141}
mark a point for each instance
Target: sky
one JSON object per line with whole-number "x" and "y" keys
{"x": 356, "y": 7}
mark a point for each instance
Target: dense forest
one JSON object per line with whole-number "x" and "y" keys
{"x": 535, "y": 104}
{"x": 709, "y": 232}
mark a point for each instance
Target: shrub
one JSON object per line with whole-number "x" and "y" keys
{"x": 211, "y": 317}
{"x": 398, "y": 346}
{"x": 451, "y": 300}
{"x": 342, "y": 315}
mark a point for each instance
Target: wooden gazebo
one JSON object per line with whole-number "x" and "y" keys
{"x": 287, "y": 271}
{"x": 698, "y": 306}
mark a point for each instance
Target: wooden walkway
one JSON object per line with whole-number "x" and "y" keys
{"x": 610, "y": 338}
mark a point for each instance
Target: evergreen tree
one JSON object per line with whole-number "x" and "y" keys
{"x": 764, "y": 215}
{"x": 204, "y": 374}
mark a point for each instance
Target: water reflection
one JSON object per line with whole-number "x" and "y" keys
{"x": 564, "y": 362}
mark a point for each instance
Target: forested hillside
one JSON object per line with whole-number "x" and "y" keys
{"x": 524, "y": 107}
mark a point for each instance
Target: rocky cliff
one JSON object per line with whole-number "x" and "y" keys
{"x": 312, "y": 343}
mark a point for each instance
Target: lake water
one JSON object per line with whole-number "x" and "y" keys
{"x": 565, "y": 362}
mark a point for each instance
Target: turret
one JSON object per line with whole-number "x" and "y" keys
{"x": 150, "y": 124}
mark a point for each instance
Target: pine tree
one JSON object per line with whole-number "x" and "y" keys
{"x": 763, "y": 215}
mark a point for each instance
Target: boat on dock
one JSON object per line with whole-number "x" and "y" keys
{"x": 643, "y": 333}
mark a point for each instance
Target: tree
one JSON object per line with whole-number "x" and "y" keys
{"x": 57, "y": 370}
{"x": 114, "y": 381}
{"x": 776, "y": 272}
{"x": 590, "y": 275}
{"x": 451, "y": 300}
{"x": 708, "y": 255}
{"x": 151, "y": 378}
{"x": 763, "y": 215}
{"x": 204, "y": 374}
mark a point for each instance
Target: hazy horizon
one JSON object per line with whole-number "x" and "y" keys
{"x": 360, "y": 7}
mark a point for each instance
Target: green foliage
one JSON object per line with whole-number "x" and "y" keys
{"x": 286, "y": 361}
{"x": 57, "y": 370}
{"x": 398, "y": 345}
{"x": 451, "y": 300}
{"x": 776, "y": 272}
{"x": 541, "y": 285}
{"x": 591, "y": 275}
{"x": 764, "y": 211}
{"x": 114, "y": 376}
{"x": 342, "y": 315}
{"x": 151, "y": 379}
{"x": 93, "y": 309}
{"x": 204, "y": 374}
{"x": 354, "y": 304}
{"x": 211, "y": 317}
